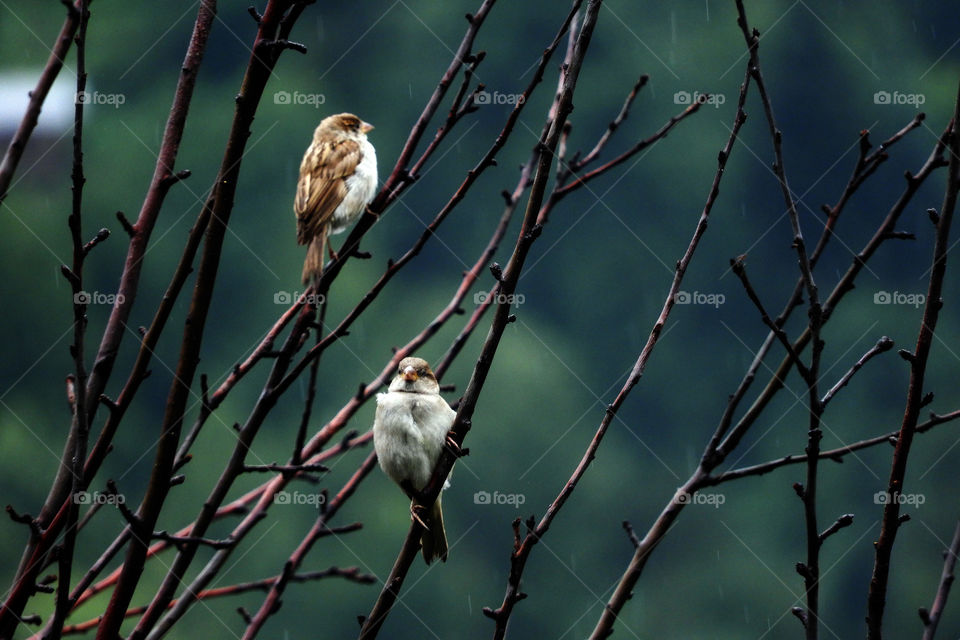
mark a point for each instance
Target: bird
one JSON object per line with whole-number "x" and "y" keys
{"x": 338, "y": 179}
{"x": 409, "y": 431}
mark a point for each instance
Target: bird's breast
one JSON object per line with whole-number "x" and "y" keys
{"x": 361, "y": 187}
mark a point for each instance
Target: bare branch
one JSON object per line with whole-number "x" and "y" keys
{"x": 877, "y": 596}
{"x": 931, "y": 617}
{"x": 529, "y": 232}
{"x": 883, "y": 344}
{"x": 38, "y": 95}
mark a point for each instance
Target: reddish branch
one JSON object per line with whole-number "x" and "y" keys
{"x": 53, "y": 514}
{"x": 890, "y": 523}
{"x": 343, "y": 416}
{"x": 272, "y": 390}
{"x": 274, "y": 27}
{"x": 320, "y": 528}
{"x": 352, "y": 574}
{"x": 263, "y": 494}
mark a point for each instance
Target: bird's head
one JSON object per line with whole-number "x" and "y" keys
{"x": 415, "y": 376}
{"x": 343, "y": 124}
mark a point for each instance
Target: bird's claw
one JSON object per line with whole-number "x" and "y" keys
{"x": 414, "y": 508}
{"x": 455, "y": 448}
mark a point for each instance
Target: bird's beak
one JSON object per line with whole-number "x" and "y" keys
{"x": 409, "y": 374}
{"x": 366, "y": 127}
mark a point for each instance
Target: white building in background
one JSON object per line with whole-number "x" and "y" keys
{"x": 57, "y": 113}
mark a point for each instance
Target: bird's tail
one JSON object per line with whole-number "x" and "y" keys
{"x": 313, "y": 263}
{"x": 434, "y": 538}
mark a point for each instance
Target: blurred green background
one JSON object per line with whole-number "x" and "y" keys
{"x": 592, "y": 289}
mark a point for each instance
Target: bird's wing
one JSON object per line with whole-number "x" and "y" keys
{"x": 322, "y": 185}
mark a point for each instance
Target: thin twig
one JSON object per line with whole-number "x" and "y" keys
{"x": 836, "y": 455}
{"x": 931, "y": 617}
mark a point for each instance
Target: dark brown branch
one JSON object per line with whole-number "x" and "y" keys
{"x": 728, "y": 435}
{"x": 862, "y": 170}
{"x": 27, "y": 519}
{"x": 931, "y": 617}
{"x": 634, "y": 540}
{"x": 612, "y": 127}
{"x": 80, "y": 424}
{"x": 37, "y": 97}
{"x": 883, "y": 344}
{"x": 512, "y": 199}
{"x": 284, "y": 468}
{"x": 842, "y": 522}
{"x": 877, "y": 596}
{"x": 529, "y": 232}
{"x": 624, "y": 589}
{"x": 402, "y": 175}
{"x": 181, "y": 541}
{"x": 811, "y": 575}
{"x": 836, "y": 455}
{"x": 740, "y": 270}
{"x": 580, "y": 181}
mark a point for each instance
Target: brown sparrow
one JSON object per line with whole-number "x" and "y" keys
{"x": 409, "y": 432}
{"x": 338, "y": 179}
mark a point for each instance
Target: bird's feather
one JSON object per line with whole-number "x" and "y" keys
{"x": 322, "y": 185}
